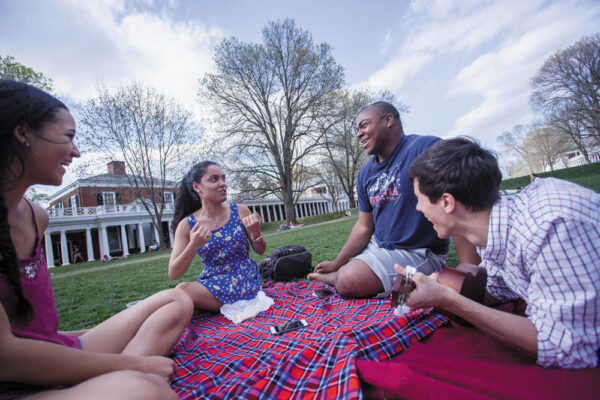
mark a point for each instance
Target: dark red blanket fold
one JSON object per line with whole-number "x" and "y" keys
{"x": 457, "y": 362}
{"x": 218, "y": 359}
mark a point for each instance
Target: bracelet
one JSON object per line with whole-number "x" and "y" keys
{"x": 257, "y": 239}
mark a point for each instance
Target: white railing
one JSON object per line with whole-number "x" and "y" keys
{"x": 100, "y": 210}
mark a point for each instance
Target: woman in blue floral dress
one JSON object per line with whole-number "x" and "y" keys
{"x": 221, "y": 234}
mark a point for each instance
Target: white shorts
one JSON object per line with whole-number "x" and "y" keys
{"x": 381, "y": 261}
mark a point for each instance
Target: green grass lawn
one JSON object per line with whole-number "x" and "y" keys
{"x": 585, "y": 175}
{"x": 86, "y": 299}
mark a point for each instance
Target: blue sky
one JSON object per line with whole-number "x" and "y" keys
{"x": 463, "y": 67}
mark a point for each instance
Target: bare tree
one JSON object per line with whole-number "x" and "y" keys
{"x": 547, "y": 144}
{"x": 569, "y": 82}
{"x": 267, "y": 97}
{"x": 149, "y": 132}
{"x": 571, "y": 128}
{"x": 514, "y": 141}
{"x": 329, "y": 181}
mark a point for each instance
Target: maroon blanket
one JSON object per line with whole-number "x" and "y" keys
{"x": 457, "y": 362}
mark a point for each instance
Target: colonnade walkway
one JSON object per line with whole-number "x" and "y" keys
{"x": 166, "y": 254}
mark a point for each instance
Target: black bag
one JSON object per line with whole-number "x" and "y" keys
{"x": 286, "y": 263}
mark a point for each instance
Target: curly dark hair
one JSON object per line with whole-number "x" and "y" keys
{"x": 20, "y": 104}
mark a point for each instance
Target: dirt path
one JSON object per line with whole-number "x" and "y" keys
{"x": 117, "y": 264}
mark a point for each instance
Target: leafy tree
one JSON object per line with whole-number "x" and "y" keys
{"x": 267, "y": 98}
{"x": 11, "y": 69}
{"x": 149, "y": 132}
{"x": 569, "y": 84}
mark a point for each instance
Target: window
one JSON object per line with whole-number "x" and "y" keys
{"x": 109, "y": 198}
{"x": 167, "y": 197}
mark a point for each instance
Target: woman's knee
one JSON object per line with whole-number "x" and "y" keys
{"x": 184, "y": 301}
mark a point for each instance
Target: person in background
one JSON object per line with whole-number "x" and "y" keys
{"x": 221, "y": 234}
{"x": 77, "y": 256}
{"x": 541, "y": 245}
{"x": 123, "y": 357}
{"x": 533, "y": 176}
{"x": 153, "y": 247}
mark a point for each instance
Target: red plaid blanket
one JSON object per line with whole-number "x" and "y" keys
{"x": 218, "y": 359}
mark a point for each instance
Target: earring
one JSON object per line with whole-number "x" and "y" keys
{"x": 26, "y": 144}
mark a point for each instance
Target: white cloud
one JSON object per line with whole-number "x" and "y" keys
{"x": 500, "y": 78}
{"x": 479, "y": 56}
{"x": 387, "y": 41}
{"x": 115, "y": 42}
{"x": 393, "y": 75}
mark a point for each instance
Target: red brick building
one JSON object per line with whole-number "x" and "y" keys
{"x": 102, "y": 215}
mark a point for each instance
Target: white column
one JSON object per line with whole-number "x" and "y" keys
{"x": 269, "y": 214}
{"x": 156, "y": 235}
{"x": 89, "y": 244}
{"x": 49, "y": 251}
{"x": 64, "y": 252}
{"x": 124, "y": 242}
{"x": 280, "y": 212}
{"x": 171, "y": 238}
{"x": 260, "y": 212}
{"x": 104, "y": 250}
{"x": 141, "y": 239}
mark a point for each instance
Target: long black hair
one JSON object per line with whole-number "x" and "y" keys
{"x": 20, "y": 103}
{"x": 188, "y": 200}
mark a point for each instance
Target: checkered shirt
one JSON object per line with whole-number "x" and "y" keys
{"x": 544, "y": 247}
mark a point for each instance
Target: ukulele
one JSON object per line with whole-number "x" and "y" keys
{"x": 466, "y": 279}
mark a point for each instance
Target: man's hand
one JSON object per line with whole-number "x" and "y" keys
{"x": 252, "y": 224}
{"x": 157, "y": 365}
{"x": 428, "y": 292}
{"x": 327, "y": 266}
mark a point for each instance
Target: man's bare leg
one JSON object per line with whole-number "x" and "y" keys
{"x": 354, "y": 279}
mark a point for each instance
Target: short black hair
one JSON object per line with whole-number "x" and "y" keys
{"x": 460, "y": 167}
{"x": 385, "y": 108}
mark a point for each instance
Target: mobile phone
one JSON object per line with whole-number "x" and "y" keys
{"x": 322, "y": 293}
{"x": 288, "y": 326}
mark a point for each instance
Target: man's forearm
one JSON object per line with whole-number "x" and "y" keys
{"x": 357, "y": 241}
{"x": 517, "y": 331}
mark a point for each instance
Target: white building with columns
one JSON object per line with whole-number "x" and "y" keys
{"x": 100, "y": 217}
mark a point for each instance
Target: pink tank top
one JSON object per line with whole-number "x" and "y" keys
{"x": 37, "y": 288}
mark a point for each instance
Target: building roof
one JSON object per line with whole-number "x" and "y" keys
{"x": 103, "y": 180}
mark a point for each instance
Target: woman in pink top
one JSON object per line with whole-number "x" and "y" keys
{"x": 123, "y": 357}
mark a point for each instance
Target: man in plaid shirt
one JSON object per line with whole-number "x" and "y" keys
{"x": 541, "y": 245}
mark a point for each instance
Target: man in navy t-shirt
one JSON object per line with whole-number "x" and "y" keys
{"x": 389, "y": 229}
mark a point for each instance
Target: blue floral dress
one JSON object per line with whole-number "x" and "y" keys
{"x": 229, "y": 272}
